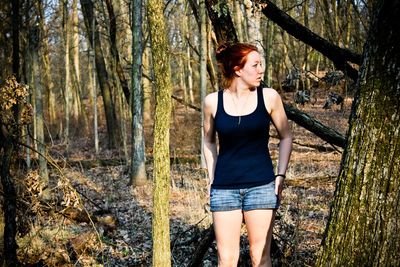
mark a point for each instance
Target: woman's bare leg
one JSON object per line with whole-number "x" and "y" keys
{"x": 259, "y": 225}
{"x": 227, "y": 225}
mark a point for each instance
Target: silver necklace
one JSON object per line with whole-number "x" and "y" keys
{"x": 241, "y": 108}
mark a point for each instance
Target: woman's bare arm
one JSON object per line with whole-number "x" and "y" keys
{"x": 209, "y": 141}
{"x": 281, "y": 124}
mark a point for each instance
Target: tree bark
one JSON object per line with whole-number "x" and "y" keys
{"x": 161, "y": 188}
{"x": 105, "y": 87}
{"x": 363, "y": 228}
{"x": 138, "y": 156}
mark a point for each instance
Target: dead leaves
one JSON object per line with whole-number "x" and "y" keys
{"x": 13, "y": 93}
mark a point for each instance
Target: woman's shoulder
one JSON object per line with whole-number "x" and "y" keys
{"x": 211, "y": 100}
{"x": 271, "y": 93}
{"x": 271, "y": 98}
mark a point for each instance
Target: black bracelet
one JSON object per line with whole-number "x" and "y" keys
{"x": 282, "y": 175}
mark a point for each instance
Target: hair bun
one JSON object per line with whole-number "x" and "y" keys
{"x": 221, "y": 51}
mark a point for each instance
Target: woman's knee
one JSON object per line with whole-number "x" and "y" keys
{"x": 260, "y": 258}
{"x": 228, "y": 258}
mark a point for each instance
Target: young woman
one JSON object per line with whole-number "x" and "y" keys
{"x": 243, "y": 184}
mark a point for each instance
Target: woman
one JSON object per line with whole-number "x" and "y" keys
{"x": 242, "y": 181}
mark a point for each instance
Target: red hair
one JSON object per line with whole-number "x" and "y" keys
{"x": 231, "y": 58}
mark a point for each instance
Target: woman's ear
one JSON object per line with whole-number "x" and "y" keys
{"x": 238, "y": 71}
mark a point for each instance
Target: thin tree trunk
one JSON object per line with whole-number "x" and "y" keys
{"x": 253, "y": 16}
{"x": 210, "y": 66}
{"x": 238, "y": 19}
{"x": 138, "y": 156}
{"x": 363, "y": 228}
{"x": 67, "y": 82}
{"x": 189, "y": 74}
{"x": 162, "y": 179}
{"x": 92, "y": 89}
{"x": 114, "y": 50}
{"x": 80, "y": 117}
{"x": 6, "y": 151}
{"x": 102, "y": 74}
{"x": 10, "y": 206}
{"x": 75, "y": 96}
{"x": 147, "y": 88}
{"x": 203, "y": 68}
{"x": 124, "y": 33}
{"x": 45, "y": 62}
{"x": 34, "y": 39}
{"x": 269, "y": 34}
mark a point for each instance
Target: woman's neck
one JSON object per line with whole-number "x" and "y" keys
{"x": 239, "y": 89}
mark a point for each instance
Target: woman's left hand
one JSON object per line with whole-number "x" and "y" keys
{"x": 279, "y": 186}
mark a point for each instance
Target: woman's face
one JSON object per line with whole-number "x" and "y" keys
{"x": 252, "y": 71}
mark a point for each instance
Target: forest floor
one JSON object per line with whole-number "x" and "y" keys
{"x": 121, "y": 233}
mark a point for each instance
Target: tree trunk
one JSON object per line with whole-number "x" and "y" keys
{"x": 124, "y": 33}
{"x": 138, "y": 156}
{"x": 114, "y": 50}
{"x": 148, "y": 96}
{"x": 93, "y": 95}
{"x": 268, "y": 35}
{"x": 75, "y": 96}
{"x": 6, "y": 151}
{"x": 45, "y": 62}
{"x": 238, "y": 19}
{"x": 34, "y": 39}
{"x": 10, "y": 205}
{"x": 253, "y": 17}
{"x": 80, "y": 117}
{"x": 189, "y": 73}
{"x": 203, "y": 68}
{"x": 363, "y": 229}
{"x": 102, "y": 74}
{"x": 218, "y": 12}
{"x": 161, "y": 189}
{"x": 67, "y": 76}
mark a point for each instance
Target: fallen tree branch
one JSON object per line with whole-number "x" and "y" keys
{"x": 339, "y": 56}
{"x": 322, "y": 131}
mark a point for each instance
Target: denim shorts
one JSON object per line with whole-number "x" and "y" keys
{"x": 258, "y": 197}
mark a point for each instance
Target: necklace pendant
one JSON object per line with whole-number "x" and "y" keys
{"x": 240, "y": 117}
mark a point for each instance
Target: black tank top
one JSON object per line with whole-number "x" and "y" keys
{"x": 243, "y": 158}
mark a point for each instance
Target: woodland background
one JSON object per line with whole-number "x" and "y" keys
{"x": 102, "y": 86}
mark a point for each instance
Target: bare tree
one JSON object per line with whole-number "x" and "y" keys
{"x": 138, "y": 156}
